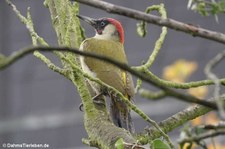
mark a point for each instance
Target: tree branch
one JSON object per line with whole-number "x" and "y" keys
{"x": 170, "y": 23}
{"x": 177, "y": 85}
{"x": 212, "y": 127}
{"x": 197, "y": 138}
{"x": 141, "y": 27}
{"x": 5, "y": 61}
{"x": 208, "y": 71}
{"x": 29, "y": 24}
{"x": 175, "y": 121}
{"x": 151, "y": 94}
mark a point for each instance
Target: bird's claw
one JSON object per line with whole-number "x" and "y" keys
{"x": 96, "y": 100}
{"x": 81, "y": 107}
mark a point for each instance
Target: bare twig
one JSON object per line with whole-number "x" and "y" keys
{"x": 203, "y": 136}
{"x": 208, "y": 71}
{"x": 218, "y": 126}
{"x": 133, "y": 146}
{"x": 170, "y": 23}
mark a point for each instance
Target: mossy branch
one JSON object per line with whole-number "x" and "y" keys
{"x": 29, "y": 24}
{"x": 70, "y": 34}
{"x": 176, "y": 120}
{"x": 186, "y": 85}
{"x": 143, "y": 75}
{"x": 151, "y": 94}
{"x": 141, "y": 29}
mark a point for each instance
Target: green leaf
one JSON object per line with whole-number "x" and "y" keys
{"x": 201, "y": 8}
{"x": 159, "y": 144}
{"x": 119, "y": 144}
{"x": 215, "y": 8}
{"x": 222, "y": 5}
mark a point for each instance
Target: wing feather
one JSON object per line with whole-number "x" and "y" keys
{"x": 106, "y": 72}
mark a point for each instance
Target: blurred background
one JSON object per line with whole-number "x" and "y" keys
{"x": 40, "y": 106}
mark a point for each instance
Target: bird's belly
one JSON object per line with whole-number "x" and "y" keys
{"x": 86, "y": 68}
{"x": 95, "y": 87}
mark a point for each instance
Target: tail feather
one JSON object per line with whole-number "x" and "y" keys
{"x": 120, "y": 114}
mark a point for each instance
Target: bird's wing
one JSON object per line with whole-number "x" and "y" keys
{"x": 106, "y": 72}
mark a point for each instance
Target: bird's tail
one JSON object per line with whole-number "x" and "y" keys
{"x": 120, "y": 114}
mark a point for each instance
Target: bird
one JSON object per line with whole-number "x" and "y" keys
{"x": 109, "y": 42}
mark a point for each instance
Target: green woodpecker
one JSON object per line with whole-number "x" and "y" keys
{"x": 109, "y": 41}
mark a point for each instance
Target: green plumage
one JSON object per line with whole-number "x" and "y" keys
{"x": 112, "y": 75}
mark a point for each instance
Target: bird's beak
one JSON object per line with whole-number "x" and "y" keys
{"x": 90, "y": 21}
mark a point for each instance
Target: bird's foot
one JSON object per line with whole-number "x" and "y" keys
{"x": 96, "y": 100}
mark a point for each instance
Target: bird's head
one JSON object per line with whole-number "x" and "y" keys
{"x": 106, "y": 28}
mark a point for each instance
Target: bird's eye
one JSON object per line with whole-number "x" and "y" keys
{"x": 102, "y": 24}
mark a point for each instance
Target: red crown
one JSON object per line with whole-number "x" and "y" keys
{"x": 119, "y": 28}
